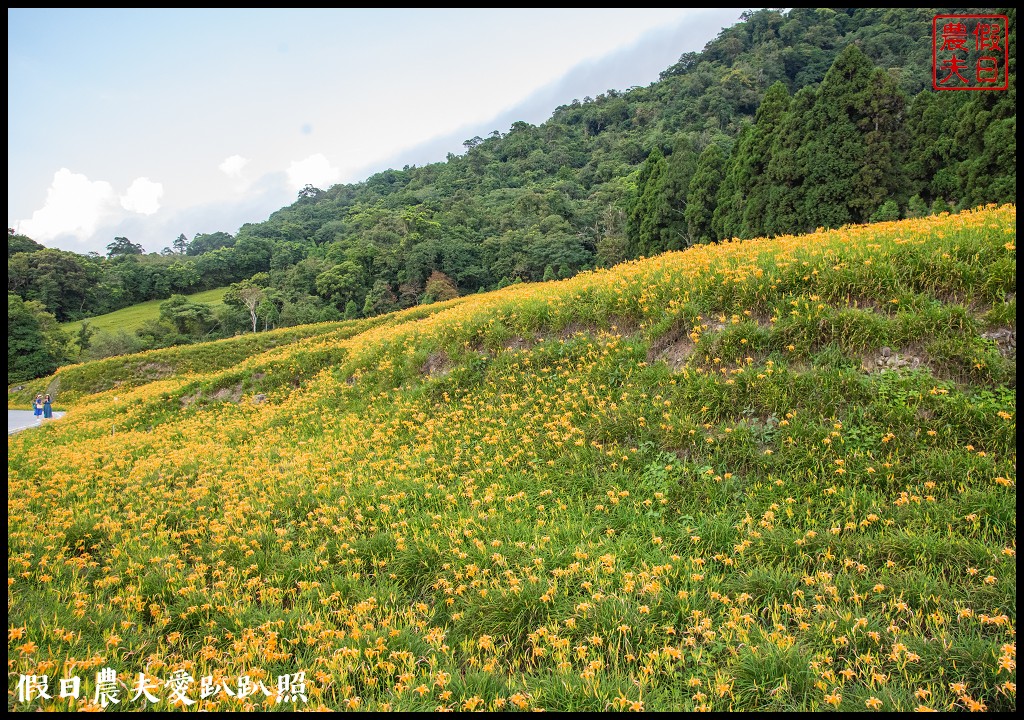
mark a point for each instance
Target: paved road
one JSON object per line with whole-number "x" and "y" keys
{"x": 21, "y": 419}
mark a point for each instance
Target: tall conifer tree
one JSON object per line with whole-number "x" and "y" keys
{"x": 703, "y": 193}
{"x": 931, "y": 164}
{"x": 637, "y": 206}
{"x": 728, "y": 214}
{"x": 650, "y": 201}
{"x": 757, "y": 188}
{"x": 681, "y": 165}
{"x": 744, "y": 194}
{"x": 786, "y": 169}
{"x": 882, "y": 176}
{"x": 835, "y": 150}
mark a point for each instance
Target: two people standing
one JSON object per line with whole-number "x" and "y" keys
{"x": 42, "y": 408}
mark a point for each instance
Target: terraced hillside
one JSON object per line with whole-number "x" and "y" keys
{"x": 763, "y": 475}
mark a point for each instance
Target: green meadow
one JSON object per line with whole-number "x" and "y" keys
{"x": 132, "y": 318}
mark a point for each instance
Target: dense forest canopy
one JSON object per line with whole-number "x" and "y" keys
{"x": 787, "y": 121}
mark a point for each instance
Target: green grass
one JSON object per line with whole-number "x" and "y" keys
{"x": 132, "y": 318}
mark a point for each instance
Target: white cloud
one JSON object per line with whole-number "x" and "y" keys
{"x": 316, "y": 170}
{"x": 75, "y": 205}
{"x": 143, "y": 196}
{"x": 232, "y": 166}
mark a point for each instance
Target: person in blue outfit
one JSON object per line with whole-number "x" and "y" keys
{"x": 47, "y": 408}
{"x": 37, "y": 408}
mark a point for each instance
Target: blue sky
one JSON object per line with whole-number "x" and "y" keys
{"x": 152, "y": 123}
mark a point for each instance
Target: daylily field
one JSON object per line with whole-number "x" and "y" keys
{"x": 771, "y": 475}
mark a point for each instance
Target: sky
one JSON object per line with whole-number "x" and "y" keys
{"x": 152, "y": 123}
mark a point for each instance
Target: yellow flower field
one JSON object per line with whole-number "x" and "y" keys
{"x": 776, "y": 474}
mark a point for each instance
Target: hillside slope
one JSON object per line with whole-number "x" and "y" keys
{"x": 772, "y": 475}
{"x": 787, "y": 121}
{"x": 132, "y": 318}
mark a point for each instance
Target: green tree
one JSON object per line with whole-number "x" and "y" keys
{"x": 341, "y": 283}
{"x": 988, "y": 174}
{"x": 931, "y": 162}
{"x": 649, "y": 204}
{"x": 307, "y": 309}
{"x": 657, "y": 216}
{"x": 882, "y": 175}
{"x": 310, "y": 193}
{"x": 856, "y": 142}
{"x": 35, "y": 343}
{"x": 787, "y": 168}
{"x": 269, "y": 312}
{"x": 216, "y": 268}
{"x": 670, "y": 203}
{"x": 702, "y": 194}
{"x": 182, "y": 277}
{"x": 66, "y": 283}
{"x": 727, "y": 218}
{"x": 180, "y": 245}
{"x": 84, "y": 335}
{"x": 638, "y": 206}
{"x": 154, "y": 333}
{"x": 835, "y": 150}
{"x": 17, "y": 243}
{"x": 380, "y": 300}
{"x": 917, "y": 207}
{"x": 754, "y": 183}
{"x": 889, "y": 210}
{"x": 611, "y": 246}
{"x": 112, "y": 343}
{"x": 127, "y": 280}
{"x": 552, "y": 243}
{"x": 204, "y": 243}
{"x": 986, "y": 139}
{"x": 187, "y": 317}
{"x": 122, "y": 247}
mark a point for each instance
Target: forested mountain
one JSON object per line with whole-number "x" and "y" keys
{"x": 787, "y": 121}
